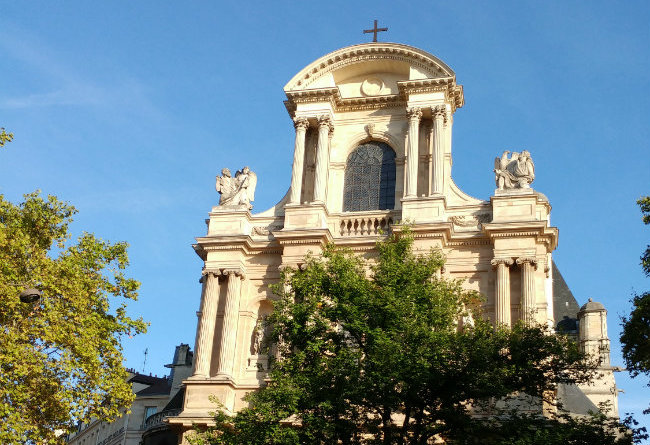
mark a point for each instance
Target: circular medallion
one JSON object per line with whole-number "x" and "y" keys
{"x": 372, "y": 86}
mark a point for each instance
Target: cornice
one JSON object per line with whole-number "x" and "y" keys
{"x": 314, "y": 94}
{"x": 453, "y": 92}
{"x": 234, "y": 243}
{"x": 371, "y": 103}
{"x": 303, "y": 236}
{"x": 441, "y": 230}
{"x": 332, "y": 95}
{"x": 517, "y": 229}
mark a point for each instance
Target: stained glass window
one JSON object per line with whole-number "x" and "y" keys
{"x": 370, "y": 178}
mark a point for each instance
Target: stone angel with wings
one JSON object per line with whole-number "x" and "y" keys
{"x": 516, "y": 172}
{"x": 237, "y": 191}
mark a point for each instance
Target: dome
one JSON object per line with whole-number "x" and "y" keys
{"x": 592, "y": 306}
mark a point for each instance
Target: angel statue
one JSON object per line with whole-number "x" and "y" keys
{"x": 237, "y": 191}
{"x": 516, "y": 172}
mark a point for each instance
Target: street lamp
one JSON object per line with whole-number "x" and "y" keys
{"x": 30, "y": 295}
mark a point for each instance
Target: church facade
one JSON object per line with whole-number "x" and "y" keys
{"x": 373, "y": 151}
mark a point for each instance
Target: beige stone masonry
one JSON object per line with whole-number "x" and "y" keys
{"x": 405, "y": 98}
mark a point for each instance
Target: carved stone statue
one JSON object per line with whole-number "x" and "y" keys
{"x": 518, "y": 171}
{"x": 259, "y": 335}
{"x": 237, "y": 191}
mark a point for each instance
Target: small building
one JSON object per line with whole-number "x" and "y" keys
{"x": 154, "y": 401}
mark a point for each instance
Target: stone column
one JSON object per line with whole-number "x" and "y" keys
{"x": 230, "y": 321}
{"x": 207, "y": 322}
{"x": 439, "y": 115}
{"x": 414, "y": 115}
{"x": 502, "y": 291}
{"x": 301, "y": 124}
{"x": 322, "y": 152}
{"x": 528, "y": 300}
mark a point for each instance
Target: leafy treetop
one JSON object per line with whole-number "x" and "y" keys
{"x": 5, "y": 137}
{"x": 635, "y": 336}
{"x": 385, "y": 351}
{"x": 61, "y": 357}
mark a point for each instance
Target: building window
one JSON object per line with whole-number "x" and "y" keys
{"x": 149, "y": 411}
{"x": 370, "y": 178}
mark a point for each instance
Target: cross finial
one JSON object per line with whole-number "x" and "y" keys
{"x": 374, "y": 31}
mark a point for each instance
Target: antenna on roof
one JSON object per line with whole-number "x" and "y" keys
{"x": 146, "y": 352}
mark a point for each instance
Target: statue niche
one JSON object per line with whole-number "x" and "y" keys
{"x": 238, "y": 191}
{"x": 518, "y": 171}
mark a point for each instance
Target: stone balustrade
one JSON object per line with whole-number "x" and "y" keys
{"x": 365, "y": 223}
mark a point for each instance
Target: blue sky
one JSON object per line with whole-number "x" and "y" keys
{"x": 129, "y": 109}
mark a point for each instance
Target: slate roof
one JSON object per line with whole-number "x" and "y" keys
{"x": 565, "y": 306}
{"x": 156, "y": 385}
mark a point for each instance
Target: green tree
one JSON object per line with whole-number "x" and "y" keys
{"x": 60, "y": 357}
{"x": 5, "y": 137}
{"x": 635, "y": 336}
{"x": 370, "y": 352}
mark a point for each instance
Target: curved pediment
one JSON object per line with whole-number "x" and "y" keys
{"x": 369, "y": 69}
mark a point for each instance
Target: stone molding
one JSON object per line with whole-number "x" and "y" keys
{"x": 368, "y": 52}
{"x": 453, "y": 92}
{"x": 540, "y": 230}
{"x": 474, "y": 220}
{"x": 370, "y": 103}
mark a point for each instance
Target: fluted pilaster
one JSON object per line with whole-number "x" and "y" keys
{"x": 301, "y": 124}
{"x": 439, "y": 116}
{"x": 207, "y": 322}
{"x": 230, "y": 319}
{"x": 502, "y": 291}
{"x": 414, "y": 115}
{"x": 528, "y": 300}
{"x": 322, "y": 151}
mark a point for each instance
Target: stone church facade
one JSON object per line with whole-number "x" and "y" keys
{"x": 373, "y": 150}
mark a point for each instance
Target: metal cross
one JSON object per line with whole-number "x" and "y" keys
{"x": 374, "y": 31}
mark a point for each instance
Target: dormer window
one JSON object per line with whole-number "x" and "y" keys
{"x": 370, "y": 178}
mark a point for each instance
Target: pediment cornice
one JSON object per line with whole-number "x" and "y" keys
{"x": 368, "y": 52}
{"x": 439, "y": 77}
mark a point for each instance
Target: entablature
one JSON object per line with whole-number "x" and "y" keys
{"x": 539, "y": 230}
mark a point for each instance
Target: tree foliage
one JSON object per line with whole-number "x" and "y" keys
{"x": 61, "y": 357}
{"x": 371, "y": 352}
{"x": 5, "y": 137}
{"x": 635, "y": 336}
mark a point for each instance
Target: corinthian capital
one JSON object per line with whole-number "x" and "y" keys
{"x": 213, "y": 272}
{"x": 234, "y": 273}
{"x": 301, "y": 122}
{"x": 325, "y": 120}
{"x": 496, "y": 261}
{"x": 414, "y": 113}
{"x": 524, "y": 260}
{"x": 439, "y": 112}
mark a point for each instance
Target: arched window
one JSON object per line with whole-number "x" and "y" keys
{"x": 370, "y": 178}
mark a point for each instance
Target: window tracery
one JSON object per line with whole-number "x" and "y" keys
{"x": 370, "y": 178}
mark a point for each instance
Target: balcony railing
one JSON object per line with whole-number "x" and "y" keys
{"x": 155, "y": 420}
